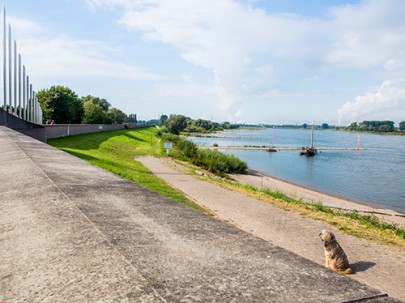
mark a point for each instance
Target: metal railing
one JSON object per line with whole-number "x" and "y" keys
{"x": 19, "y": 97}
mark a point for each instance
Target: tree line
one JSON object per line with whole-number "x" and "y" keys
{"x": 176, "y": 124}
{"x": 62, "y": 105}
{"x": 376, "y": 126}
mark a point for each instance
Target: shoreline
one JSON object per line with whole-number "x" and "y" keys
{"x": 263, "y": 180}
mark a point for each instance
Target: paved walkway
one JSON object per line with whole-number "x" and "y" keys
{"x": 72, "y": 232}
{"x": 380, "y": 266}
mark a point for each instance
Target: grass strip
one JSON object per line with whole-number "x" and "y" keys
{"x": 116, "y": 151}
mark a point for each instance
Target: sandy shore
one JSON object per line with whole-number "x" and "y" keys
{"x": 261, "y": 180}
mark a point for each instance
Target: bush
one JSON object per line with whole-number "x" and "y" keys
{"x": 213, "y": 161}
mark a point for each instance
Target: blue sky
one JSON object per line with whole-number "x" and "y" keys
{"x": 246, "y": 61}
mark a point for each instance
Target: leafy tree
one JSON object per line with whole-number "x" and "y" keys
{"x": 363, "y": 127}
{"x": 93, "y": 113}
{"x": 176, "y": 123}
{"x": 304, "y": 125}
{"x": 99, "y": 101}
{"x": 385, "y": 128}
{"x": 325, "y": 126}
{"x": 163, "y": 119}
{"x": 116, "y": 116}
{"x": 402, "y": 125}
{"x": 353, "y": 126}
{"x": 60, "y": 104}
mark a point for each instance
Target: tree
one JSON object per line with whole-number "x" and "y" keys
{"x": 325, "y": 126}
{"x": 402, "y": 125}
{"x": 99, "y": 101}
{"x": 353, "y": 126}
{"x": 362, "y": 127}
{"x": 385, "y": 128}
{"x": 93, "y": 113}
{"x": 60, "y": 104}
{"x": 116, "y": 116}
{"x": 163, "y": 119}
{"x": 176, "y": 123}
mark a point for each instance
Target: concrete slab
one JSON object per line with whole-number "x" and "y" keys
{"x": 70, "y": 231}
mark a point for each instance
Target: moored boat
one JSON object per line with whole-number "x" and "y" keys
{"x": 310, "y": 151}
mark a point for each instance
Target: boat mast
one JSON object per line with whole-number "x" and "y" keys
{"x": 312, "y": 136}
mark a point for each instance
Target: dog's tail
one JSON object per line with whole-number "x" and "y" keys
{"x": 347, "y": 271}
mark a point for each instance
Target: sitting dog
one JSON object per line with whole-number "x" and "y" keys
{"x": 336, "y": 258}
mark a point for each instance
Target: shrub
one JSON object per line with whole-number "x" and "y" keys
{"x": 213, "y": 161}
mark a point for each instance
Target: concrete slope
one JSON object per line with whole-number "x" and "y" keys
{"x": 71, "y": 232}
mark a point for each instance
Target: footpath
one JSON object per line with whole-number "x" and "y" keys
{"x": 72, "y": 232}
{"x": 379, "y": 266}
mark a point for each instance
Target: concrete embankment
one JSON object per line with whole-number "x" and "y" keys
{"x": 72, "y": 232}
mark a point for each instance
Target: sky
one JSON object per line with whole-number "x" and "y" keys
{"x": 242, "y": 61}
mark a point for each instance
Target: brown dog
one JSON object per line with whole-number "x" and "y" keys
{"x": 336, "y": 258}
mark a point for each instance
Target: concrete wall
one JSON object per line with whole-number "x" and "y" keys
{"x": 64, "y": 130}
{"x": 46, "y": 132}
{"x": 27, "y": 128}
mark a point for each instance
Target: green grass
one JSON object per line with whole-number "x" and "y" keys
{"x": 115, "y": 151}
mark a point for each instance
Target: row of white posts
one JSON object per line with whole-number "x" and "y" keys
{"x": 19, "y": 98}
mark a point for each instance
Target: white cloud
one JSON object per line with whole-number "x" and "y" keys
{"x": 24, "y": 27}
{"x": 217, "y": 35}
{"x": 63, "y": 56}
{"x": 367, "y": 34}
{"x": 225, "y": 37}
{"x": 389, "y": 95}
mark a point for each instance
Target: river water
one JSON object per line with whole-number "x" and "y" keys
{"x": 373, "y": 175}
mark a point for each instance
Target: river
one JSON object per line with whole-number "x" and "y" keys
{"x": 374, "y": 175}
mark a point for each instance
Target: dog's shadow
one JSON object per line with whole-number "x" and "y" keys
{"x": 361, "y": 266}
